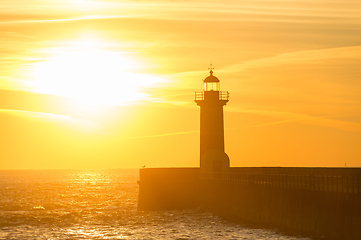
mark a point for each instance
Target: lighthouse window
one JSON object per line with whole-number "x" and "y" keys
{"x": 211, "y": 86}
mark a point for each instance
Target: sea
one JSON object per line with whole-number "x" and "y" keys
{"x": 101, "y": 204}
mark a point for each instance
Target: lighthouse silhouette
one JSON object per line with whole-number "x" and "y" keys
{"x": 213, "y": 158}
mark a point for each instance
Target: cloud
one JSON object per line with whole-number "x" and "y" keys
{"x": 308, "y": 56}
{"x": 15, "y": 35}
{"x": 272, "y": 123}
{"x": 36, "y": 115}
{"x": 162, "y": 135}
{"x": 81, "y": 124}
{"x": 322, "y": 121}
{"x": 88, "y": 17}
{"x": 186, "y": 80}
{"x": 7, "y": 83}
{"x": 279, "y": 11}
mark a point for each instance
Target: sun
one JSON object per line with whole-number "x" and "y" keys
{"x": 92, "y": 74}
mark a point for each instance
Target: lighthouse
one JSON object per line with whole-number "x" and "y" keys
{"x": 213, "y": 158}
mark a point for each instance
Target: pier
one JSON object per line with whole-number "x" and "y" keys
{"x": 316, "y": 202}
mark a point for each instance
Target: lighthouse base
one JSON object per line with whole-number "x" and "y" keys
{"x": 215, "y": 161}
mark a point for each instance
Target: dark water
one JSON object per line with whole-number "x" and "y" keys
{"x": 99, "y": 204}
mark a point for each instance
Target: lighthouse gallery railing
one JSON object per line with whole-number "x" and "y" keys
{"x": 223, "y": 95}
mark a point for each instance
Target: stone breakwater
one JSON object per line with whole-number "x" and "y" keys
{"x": 318, "y": 202}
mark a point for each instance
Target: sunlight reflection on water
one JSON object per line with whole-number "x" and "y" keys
{"x": 99, "y": 204}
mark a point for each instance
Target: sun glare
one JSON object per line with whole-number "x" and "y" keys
{"x": 92, "y": 75}
{"x": 86, "y": 4}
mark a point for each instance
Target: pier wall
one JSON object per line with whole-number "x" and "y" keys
{"x": 168, "y": 188}
{"x": 320, "y": 202}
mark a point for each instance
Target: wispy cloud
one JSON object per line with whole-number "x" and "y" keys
{"x": 7, "y": 83}
{"x": 272, "y": 123}
{"x": 49, "y": 117}
{"x": 39, "y": 115}
{"x": 322, "y": 121}
{"x": 281, "y": 11}
{"x": 299, "y": 57}
{"x": 161, "y": 135}
{"x": 15, "y": 35}
{"x": 88, "y": 17}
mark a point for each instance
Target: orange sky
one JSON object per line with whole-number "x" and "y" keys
{"x": 110, "y": 84}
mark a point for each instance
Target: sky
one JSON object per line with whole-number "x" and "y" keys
{"x": 111, "y": 84}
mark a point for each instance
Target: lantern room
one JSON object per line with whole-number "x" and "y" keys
{"x": 211, "y": 83}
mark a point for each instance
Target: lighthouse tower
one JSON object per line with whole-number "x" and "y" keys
{"x": 213, "y": 159}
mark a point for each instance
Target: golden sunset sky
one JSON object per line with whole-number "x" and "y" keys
{"x": 110, "y": 84}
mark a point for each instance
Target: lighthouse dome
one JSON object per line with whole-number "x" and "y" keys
{"x": 211, "y": 78}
